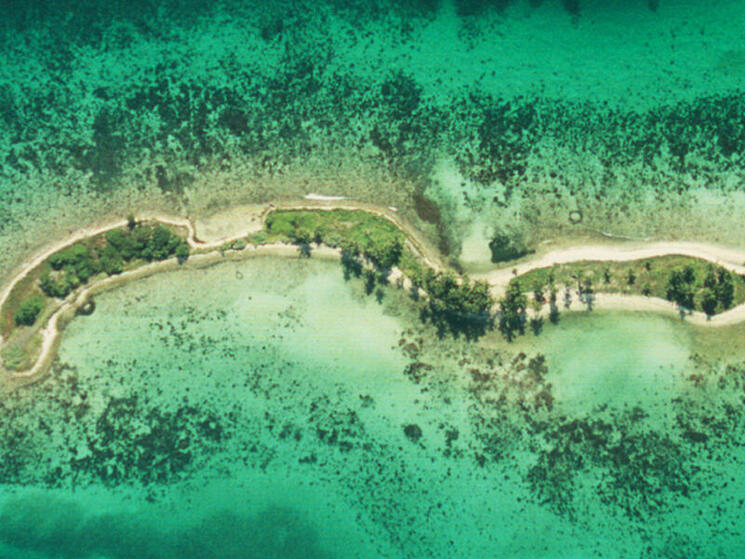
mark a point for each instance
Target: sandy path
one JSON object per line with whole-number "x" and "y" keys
{"x": 236, "y": 228}
{"x": 731, "y": 259}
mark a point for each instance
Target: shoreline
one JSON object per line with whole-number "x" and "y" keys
{"x": 728, "y": 258}
{"x": 211, "y": 253}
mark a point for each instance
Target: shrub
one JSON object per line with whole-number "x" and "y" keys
{"x": 182, "y": 252}
{"x": 123, "y": 243}
{"x": 512, "y": 311}
{"x": 680, "y": 287}
{"x": 460, "y": 307}
{"x": 141, "y": 243}
{"x": 504, "y": 248}
{"x": 70, "y": 256}
{"x": 145, "y": 242}
{"x": 163, "y": 243}
{"x": 725, "y": 289}
{"x": 111, "y": 261}
{"x": 29, "y": 310}
{"x": 384, "y": 252}
{"x": 708, "y": 301}
{"x": 78, "y": 261}
{"x": 237, "y": 244}
{"x": 258, "y": 238}
{"x": 58, "y": 286}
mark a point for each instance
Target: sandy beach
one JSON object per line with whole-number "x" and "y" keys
{"x": 208, "y": 235}
{"x": 728, "y": 258}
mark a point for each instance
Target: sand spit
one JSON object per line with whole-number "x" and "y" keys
{"x": 641, "y": 303}
{"x": 731, "y": 259}
{"x": 237, "y": 222}
{"x": 232, "y": 224}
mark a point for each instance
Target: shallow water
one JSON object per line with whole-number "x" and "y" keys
{"x": 259, "y": 409}
{"x": 269, "y": 409}
{"x": 511, "y": 112}
{"x": 616, "y": 359}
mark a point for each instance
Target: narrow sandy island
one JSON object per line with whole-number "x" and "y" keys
{"x": 731, "y": 259}
{"x": 232, "y": 224}
{"x": 237, "y": 222}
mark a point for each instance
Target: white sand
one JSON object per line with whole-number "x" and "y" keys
{"x": 323, "y": 197}
{"x": 728, "y": 258}
{"x": 235, "y": 223}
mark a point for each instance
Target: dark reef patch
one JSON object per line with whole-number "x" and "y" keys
{"x": 67, "y": 532}
{"x": 413, "y": 432}
{"x": 484, "y": 413}
{"x": 166, "y": 127}
{"x": 128, "y": 442}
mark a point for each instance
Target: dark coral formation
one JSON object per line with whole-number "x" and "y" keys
{"x": 311, "y": 112}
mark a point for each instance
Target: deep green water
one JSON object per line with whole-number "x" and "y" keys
{"x": 269, "y": 409}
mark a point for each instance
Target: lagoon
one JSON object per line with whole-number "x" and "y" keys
{"x": 261, "y": 409}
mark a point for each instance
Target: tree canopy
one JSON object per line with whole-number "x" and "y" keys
{"x": 76, "y": 264}
{"x": 512, "y": 315}
{"x": 29, "y": 310}
{"x": 457, "y": 306}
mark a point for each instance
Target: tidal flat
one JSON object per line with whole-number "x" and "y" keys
{"x": 268, "y": 408}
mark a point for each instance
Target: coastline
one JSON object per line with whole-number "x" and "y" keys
{"x": 211, "y": 252}
{"x": 728, "y": 258}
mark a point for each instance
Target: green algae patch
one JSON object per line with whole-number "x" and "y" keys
{"x": 335, "y": 228}
{"x": 692, "y": 282}
{"x": 21, "y": 351}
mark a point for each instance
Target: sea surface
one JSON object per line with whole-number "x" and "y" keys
{"x": 469, "y": 115}
{"x": 272, "y": 409}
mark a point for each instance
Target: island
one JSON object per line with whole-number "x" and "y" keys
{"x": 700, "y": 283}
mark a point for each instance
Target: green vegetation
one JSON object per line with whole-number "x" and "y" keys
{"x": 182, "y": 252}
{"x": 364, "y": 233}
{"x": 453, "y": 305}
{"x": 21, "y": 354}
{"x": 456, "y": 305}
{"x": 370, "y": 247}
{"x": 691, "y": 283}
{"x": 237, "y": 245}
{"x": 29, "y": 310}
{"x": 715, "y": 294}
{"x": 681, "y": 287}
{"x": 73, "y": 266}
{"x": 505, "y": 247}
{"x": 145, "y": 242}
{"x": 13, "y": 357}
{"x": 512, "y": 312}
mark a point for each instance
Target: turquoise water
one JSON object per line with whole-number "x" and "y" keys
{"x": 510, "y": 112}
{"x": 616, "y": 359}
{"x": 269, "y": 409}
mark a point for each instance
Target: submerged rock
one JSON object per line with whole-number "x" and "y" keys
{"x": 413, "y": 432}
